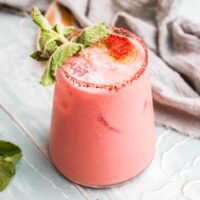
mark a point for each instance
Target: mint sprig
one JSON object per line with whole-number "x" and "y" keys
{"x": 59, "y": 43}
{"x": 50, "y": 37}
{"x": 10, "y": 154}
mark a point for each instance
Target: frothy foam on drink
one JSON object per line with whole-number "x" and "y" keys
{"x": 95, "y": 65}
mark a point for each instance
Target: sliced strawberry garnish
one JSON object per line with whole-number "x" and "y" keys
{"x": 119, "y": 46}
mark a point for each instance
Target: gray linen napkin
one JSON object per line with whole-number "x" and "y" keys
{"x": 174, "y": 51}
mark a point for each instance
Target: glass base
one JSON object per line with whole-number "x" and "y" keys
{"x": 117, "y": 184}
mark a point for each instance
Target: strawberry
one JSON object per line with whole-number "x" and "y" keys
{"x": 118, "y": 46}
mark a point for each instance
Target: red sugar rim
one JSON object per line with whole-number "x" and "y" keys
{"x": 118, "y": 85}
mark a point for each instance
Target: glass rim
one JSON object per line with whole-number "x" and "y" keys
{"x": 118, "y": 85}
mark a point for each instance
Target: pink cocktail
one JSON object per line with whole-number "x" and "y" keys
{"x": 102, "y": 130}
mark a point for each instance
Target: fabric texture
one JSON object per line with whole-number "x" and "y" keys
{"x": 174, "y": 51}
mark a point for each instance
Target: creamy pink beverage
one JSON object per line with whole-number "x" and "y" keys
{"x": 102, "y": 130}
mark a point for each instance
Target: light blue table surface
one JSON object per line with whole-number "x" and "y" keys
{"x": 25, "y": 110}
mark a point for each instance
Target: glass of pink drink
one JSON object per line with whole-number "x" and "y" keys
{"x": 102, "y": 130}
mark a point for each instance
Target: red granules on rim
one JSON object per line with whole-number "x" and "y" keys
{"x": 115, "y": 87}
{"x": 118, "y": 46}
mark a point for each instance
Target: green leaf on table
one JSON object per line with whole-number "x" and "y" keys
{"x": 9, "y": 151}
{"x": 58, "y": 58}
{"x": 93, "y": 34}
{"x": 39, "y": 19}
{"x": 7, "y": 171}
{"x": 9, "y": 155}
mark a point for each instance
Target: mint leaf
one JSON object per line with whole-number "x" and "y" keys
{"x": 9, "y": 151}
{"x": 39, "y": 19}
{"x": 51, "y": 47}
{"x": 9, "y": 155}
{"x": 7, "y": 171}
{"x": 46, "y": 37}
{"x": 58, "y": 58}
{"x": 93, "y": 34}
{"x": 40, "y": 56}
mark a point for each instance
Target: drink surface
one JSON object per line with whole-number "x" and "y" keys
{"x": 96, "y": 65}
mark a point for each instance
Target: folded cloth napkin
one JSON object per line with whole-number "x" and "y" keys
{"x": 174, "y": 51}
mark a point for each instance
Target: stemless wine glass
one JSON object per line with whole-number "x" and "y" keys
{"x": 102, "y": 135}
